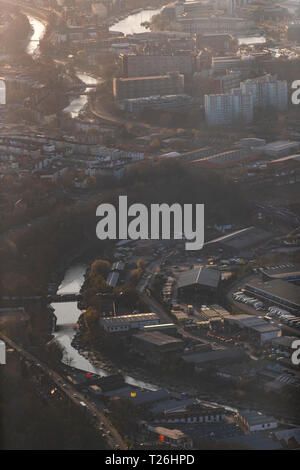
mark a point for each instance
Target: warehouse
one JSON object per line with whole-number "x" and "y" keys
{"x": 257, "y": 329}
{"x": 203, "y": 282}
{"x": 277, "y": 292}
{"x": 219, "y": 356}
{"x": 280, "y": 148}
{"x": 286, "y": 272}
{"x": 157, "y": 344}
{"x": 254, "y": 421}
{"x": 128, "y": 322}
{"x": 240, "y": 240}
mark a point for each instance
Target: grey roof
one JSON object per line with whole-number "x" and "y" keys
{"x": 283, "y": 270}
{"x": 171, "y": 405}
{"x": 280, "y": 289}
{"x": 157, "y": 338}
{"x": 253, "y": 441}
{"x": 202, "y": 276}
{"x": 287, "y": 434}
{"x": 218, "y": 355}
{"x": 142, "y": 398}
{"x": 284, "y": 341}
{"x": 265, "y": 328}
{"x": 253, "y": 418}
{"x": 122, "y": 320}
{"x": 112, "y": 279}
{"x": 242, "y": 239}
{"x": 118, "y": 266}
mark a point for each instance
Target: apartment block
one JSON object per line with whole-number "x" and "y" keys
{"x": 267, "y": 91}
{"x": 224, "y": 109}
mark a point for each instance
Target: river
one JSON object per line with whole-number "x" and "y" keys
{"x": 78, "y": 103}
{"x": 67, "y": 314}
{"x": 132, "y": 24}
{"x": 39, "y": 29}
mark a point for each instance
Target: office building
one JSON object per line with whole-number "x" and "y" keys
{"x": 137, "y": 65}
{"x": 170, "y": 84}
{"x": 166, "y": 102}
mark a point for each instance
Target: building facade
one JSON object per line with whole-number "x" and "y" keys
{"x": 170, "y": 84}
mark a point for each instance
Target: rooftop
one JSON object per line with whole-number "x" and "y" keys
{"x": 242, "y": 238}
{"x": 218, "y": 355}
{"x": 202, "y": 276}
{"x": 157, "y": 338}
{"x": 127, "y": 319}
{"x": 254, "y": 417}
{"x": 277, "y": 288}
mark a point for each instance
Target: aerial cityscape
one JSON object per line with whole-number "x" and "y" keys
{"x": 149, "y": 225}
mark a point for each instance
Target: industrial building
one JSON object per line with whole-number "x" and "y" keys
{"x": 137, "y": 87}
{"x": 128, "y": 322}
{"x": 193, "y": 413}
{"x": 172, "y": 437}
{"x": 219, "y": 356}
{"x": 254, "y": 421}
{"x": 293, "y": 32}
{"x": 240, "y": 240}
{"x": 284, "y": 344}
{"x": 226, "y": 159}
{"x": 256, "y": 329}
{"x": 285, "y": 272}
{"x": 202, "y": 282}
{"x": 276, "y": 292}
{"x": 156, "y": 344}
{"x": 280, "y": 148}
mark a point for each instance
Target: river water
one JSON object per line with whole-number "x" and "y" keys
{"x": 78, "y": 103}
{"x": 132, "y": 24}
{"x": 67, "y": 314}
{"x": 39, "y": 29}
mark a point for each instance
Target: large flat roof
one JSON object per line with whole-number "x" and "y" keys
{"x": 157, "y": 338}
{"x": 127, "y": 319}
{"x": 202, "y": 276}
{"x": 279, "y": 289}
{"x": 220, "y": 354}
{"x": 242, "y": 238}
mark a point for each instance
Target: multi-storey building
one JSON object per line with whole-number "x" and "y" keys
{"x": 170, "y": 84}
{"x": 267, "y": 91}
{"x": 212, "y": 24}
{"x": 224, "y": 109}
{"x": 135, "y": 65}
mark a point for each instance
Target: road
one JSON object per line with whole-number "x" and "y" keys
{"x": 114, "y": 440}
